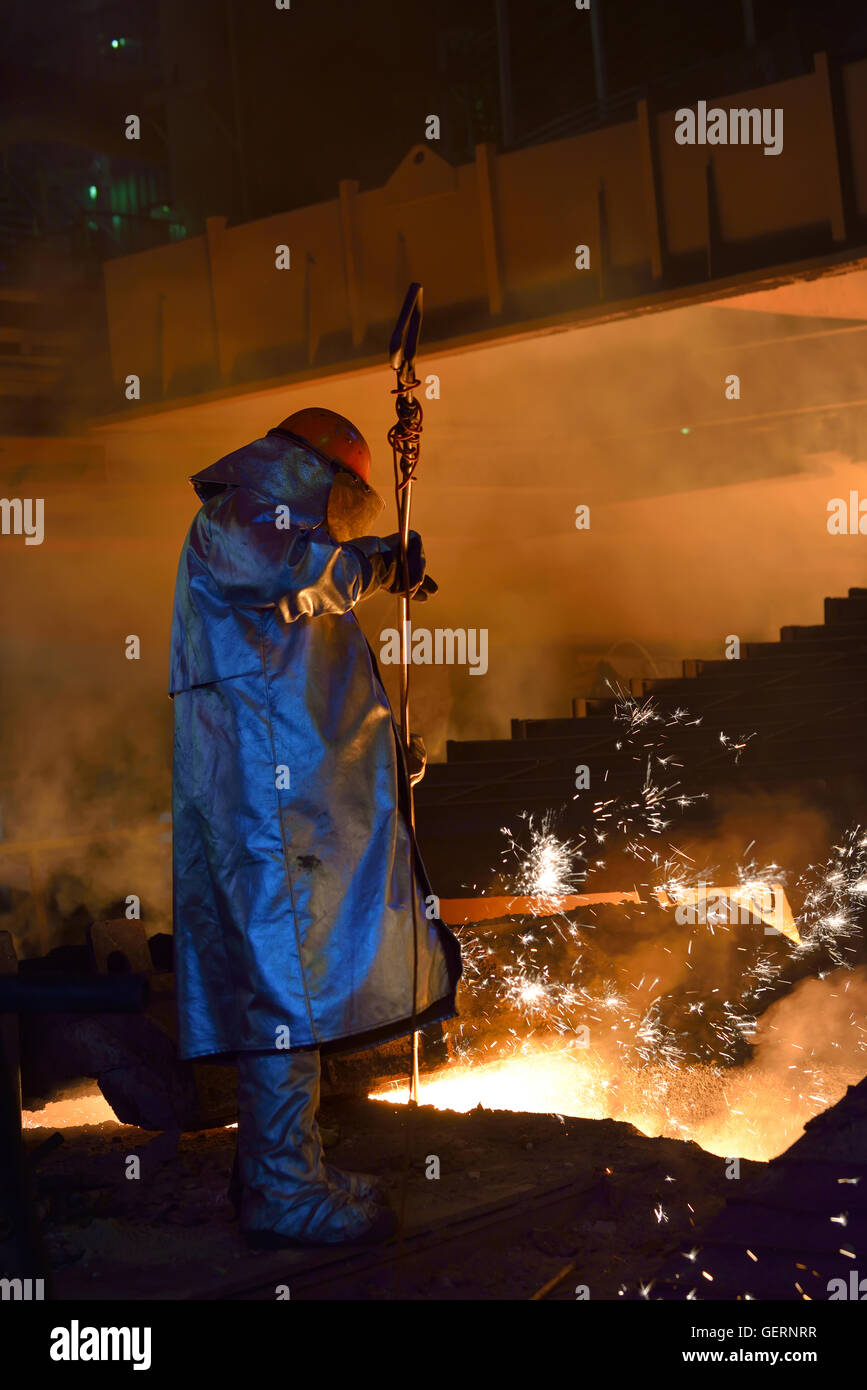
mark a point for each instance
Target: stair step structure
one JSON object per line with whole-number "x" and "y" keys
{"x": 787, "y": 714}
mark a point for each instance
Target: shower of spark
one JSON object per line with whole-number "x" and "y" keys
{"x": 834, "y": 893}
{"x": 645, "y": 731}
{"x": 550, "y": 1027}
{"x": 546, "y": 869}
{"x": 735, "y": 745}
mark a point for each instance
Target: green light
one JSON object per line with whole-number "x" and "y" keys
{"x": 115, "y": 44}
{"x": 685, "y": 429}
{"x": 93, "y": 191}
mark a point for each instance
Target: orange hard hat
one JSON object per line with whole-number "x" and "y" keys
{"x": 332, "y": 435}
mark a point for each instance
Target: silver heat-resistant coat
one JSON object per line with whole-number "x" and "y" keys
{"x": 292, "y": 886}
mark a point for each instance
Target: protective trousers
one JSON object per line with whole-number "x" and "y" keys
{"x": 285, "y": 1183}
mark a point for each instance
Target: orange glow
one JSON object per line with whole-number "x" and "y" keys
{"x": 456, "y": 911}
{"x": 756, "y": 902}
{"x": 739, "y": 1113}
{"x": 88, "y": 1107}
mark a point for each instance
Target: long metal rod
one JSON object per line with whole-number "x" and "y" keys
{"x": 404, "y": 438}
{"x": 405, "y": 507}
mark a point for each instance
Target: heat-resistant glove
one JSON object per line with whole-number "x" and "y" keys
{"x": 382, "y": 555}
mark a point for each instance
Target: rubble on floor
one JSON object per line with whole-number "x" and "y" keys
{"x": 596, "y": 1196}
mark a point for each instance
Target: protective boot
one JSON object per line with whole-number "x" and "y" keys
{"x": 364, "y": 1186}
{"x": 286, "y": 1198}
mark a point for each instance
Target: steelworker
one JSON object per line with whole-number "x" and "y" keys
{"x": 293, "y": 920}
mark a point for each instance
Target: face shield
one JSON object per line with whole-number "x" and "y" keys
{"x": 353, "y": 506}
